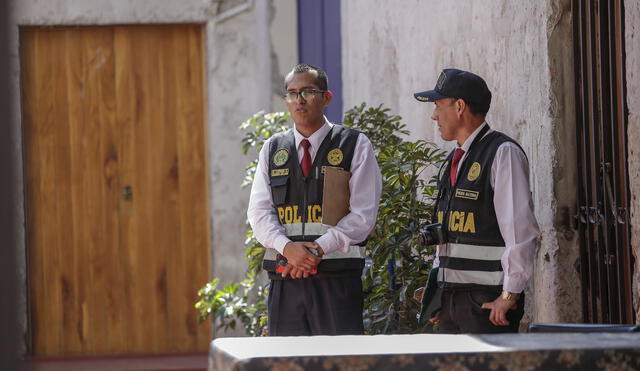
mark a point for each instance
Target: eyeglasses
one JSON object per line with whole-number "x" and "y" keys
{"x": 292, "y": 96}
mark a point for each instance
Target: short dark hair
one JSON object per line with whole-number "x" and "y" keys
{"x": 474, "y": 108}
{"x": 477, "y": 109}
{"x": 321, "y": 80}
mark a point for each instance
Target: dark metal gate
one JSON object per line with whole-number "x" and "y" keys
{"x": 603, "y": 187}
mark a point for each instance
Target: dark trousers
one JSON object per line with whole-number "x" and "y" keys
{"x": 316, "y": 306}
{"x": 462, "y": 313}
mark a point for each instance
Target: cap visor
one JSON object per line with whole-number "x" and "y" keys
{"x": 429, "y": 96}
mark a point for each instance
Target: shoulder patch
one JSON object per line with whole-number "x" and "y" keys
{"x": 281, "y": 157}
{"x": 335, "y": 156}
{"x": 474, "y": 172}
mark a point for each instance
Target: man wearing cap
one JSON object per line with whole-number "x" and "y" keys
{"x": 314, "y": 268}
{"x": 484, "y": 204}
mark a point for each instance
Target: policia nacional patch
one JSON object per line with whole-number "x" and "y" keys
{"x": 280, "y": 172}
{"x": 474, "y": 172}
{"x": 281, "y": 157}
{"x": 465, "y": 193}
{"x": 335, "y": 156}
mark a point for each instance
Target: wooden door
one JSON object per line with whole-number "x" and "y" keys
{"x": 116, "y": 189}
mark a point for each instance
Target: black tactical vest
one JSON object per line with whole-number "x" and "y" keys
{"x": 471, "y": 256}
{"x": 298, "y": 200}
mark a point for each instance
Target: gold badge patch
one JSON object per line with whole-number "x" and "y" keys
{"x": 335, "y": 156}
{"x": 280, "y": 157}
{"x": 474, "y": 172}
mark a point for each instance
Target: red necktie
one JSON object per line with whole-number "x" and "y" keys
{"x": 305, "y": 165}
{"x": 454, "y": 164}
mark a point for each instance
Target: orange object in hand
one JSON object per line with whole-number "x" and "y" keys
{"x": 282, "y": 262}
{"x": 280, "y": 269}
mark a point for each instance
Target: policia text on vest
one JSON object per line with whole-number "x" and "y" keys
{"x": 298, "y": 200}
{"x": 474, "y": 245}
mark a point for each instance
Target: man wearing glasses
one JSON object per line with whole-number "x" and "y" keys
{"x": 314, "y": 268}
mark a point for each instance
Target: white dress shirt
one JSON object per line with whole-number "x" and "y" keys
{"x": 365, "y": 186}
{"x": 514, "y": 211}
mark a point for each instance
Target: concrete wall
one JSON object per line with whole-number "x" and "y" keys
{"x": 632, "y": 45}
{"x": 247, "y": 52}
{"x": 284, "y": 41}
{"x": 523, "y": 50}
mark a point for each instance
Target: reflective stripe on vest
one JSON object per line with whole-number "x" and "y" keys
{"x": 486, "y": 256}
{"x": 478, "y": 252}
{"x": 467, "y": 277}
{"x": 310, "y": 229}
{"x": 352, "y": 252}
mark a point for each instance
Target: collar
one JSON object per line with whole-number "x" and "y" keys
{"x": 316, "y": 138}
{"x": 467, "y": 143}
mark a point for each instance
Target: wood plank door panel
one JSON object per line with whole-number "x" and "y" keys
{"x": 48, "y": 157}
{"x": 117, "y": 220}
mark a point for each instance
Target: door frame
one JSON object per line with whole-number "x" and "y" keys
{"x": 28, "y": 14}
{"x": 603, "y": 189}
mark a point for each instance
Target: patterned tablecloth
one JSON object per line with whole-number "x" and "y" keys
{"x": 549, "y": 351}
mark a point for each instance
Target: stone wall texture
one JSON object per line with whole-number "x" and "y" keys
{"x": 632, "y": 64}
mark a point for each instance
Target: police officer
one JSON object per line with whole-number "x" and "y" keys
{"x": 484, "y": 203}
{"x": 314, "y": 268}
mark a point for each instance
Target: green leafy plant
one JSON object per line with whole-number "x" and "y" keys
{"x": 398, "y": 265}
{"x": 245, "y": 302}
{"x": 235, "y": 302}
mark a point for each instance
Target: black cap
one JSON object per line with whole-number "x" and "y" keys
{"x": 454, "y": 83}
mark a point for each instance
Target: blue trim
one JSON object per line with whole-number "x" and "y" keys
{"x": 320, "y": 44}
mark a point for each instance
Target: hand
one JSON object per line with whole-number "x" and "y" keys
{"x": 299, "y": 257}
{"x": 499, "y": 308}
{"x": 418, "y": 294}
{"x": 294, "y": 272}
{"x": 318, "y": 249}
{"x": 435, "y": 319}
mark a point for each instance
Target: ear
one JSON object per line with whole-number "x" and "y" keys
{"x": 461, "y": 106}
{"x": 328, "y": 96}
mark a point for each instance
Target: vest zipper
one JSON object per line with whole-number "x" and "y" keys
{"x": 304, "y": 209}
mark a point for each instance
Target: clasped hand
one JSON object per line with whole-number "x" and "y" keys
{"x": 300, "y": 260}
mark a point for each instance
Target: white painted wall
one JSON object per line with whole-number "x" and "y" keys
{"x": 521, "y": 48}
{"x": 249, "y": 47}
{"x": 284, "y": 41}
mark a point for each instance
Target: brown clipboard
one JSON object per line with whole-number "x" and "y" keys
{"x": 336, "y": 195}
